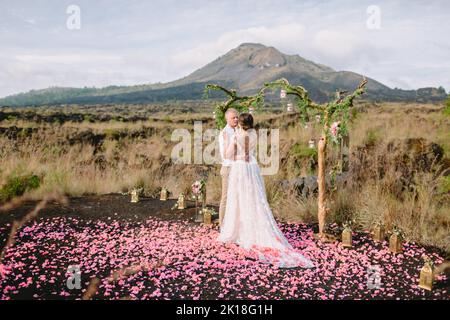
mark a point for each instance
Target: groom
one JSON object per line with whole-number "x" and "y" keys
{"x": 226, "y": 135}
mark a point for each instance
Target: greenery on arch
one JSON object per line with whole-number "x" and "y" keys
{"x": 336, "y": 111}
{"x": 240, "y": 103}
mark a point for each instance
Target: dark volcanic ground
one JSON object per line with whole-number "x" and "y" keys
{"x": 174, "y": 258}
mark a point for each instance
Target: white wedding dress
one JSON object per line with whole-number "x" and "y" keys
{"x": 248, "y": 219}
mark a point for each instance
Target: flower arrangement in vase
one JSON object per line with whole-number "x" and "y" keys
{"x": 199, "y": 193}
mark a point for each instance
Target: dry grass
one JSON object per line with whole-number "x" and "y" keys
{"x": 122, "y": 163}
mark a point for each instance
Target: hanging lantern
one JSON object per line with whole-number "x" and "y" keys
{"x": 395, "y": 242}
{"x": 290, "y": 107}
{"x": 181, "y": 202}
{"x": 347, "y": 237}
{"x": 427, "y": 275}
{"x": 164, "y": 194}
{"x": 134, "y": 196}
{"x": 378, "y": 232}
{"x": 214, "y": 114}
{"x": 318, "y": 118}
{"x": 283, "y": 94}
{"x": 311, "y": 144}
{"x": 207, "y": 217}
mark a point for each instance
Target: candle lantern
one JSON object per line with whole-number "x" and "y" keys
{"x": 378, "y": 232}
{"x": 207, "y": 217}
{"x": 290, "y": 107}
{"x": 134, "y": 195}
{"x": 396, "y": 241}
{"x": 347, "y": 237}
{"x": 164, "y": 194}
{"x": 181, "y": 202}
{"x": 427, "y": 275}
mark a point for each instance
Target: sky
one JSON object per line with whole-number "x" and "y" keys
{"x": 77, "y": 43}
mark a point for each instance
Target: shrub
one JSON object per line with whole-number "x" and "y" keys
{"x": 302, "y": 151}
{"x": 17, "y": 185}
{"x": 444, "y": 186}
{"x": 372, "y": 137}
{"x": 447, "y": 107}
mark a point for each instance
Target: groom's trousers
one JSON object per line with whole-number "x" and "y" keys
{"x": 224, "y": 172}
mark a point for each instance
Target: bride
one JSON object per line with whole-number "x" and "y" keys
{"x": 248, "y": 220}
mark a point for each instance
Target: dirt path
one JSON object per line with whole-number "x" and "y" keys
{"x": 106, "y": 206}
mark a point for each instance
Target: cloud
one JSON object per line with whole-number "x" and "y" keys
{"x": 336, "y": 44}
{"x": 30, "y": 21}
{"x": 66, "y": 58}
{"x": 38, "y": 70}
{"x": 132, "y": 42}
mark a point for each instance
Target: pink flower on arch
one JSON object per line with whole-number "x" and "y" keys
{"x": 334, "y": 129}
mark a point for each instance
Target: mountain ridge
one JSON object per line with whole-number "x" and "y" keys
{"x": 245, "y": 68}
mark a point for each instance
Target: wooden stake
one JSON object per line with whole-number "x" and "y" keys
{"x": 322, "y": 209}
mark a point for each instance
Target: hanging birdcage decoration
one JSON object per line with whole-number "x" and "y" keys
{"x": 283, "y": 94}
{"x": 164, "y": 194}
{"x": 290, "y": 107}
{"x": 427, "y": 275}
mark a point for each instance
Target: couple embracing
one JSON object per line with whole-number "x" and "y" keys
{"x": 244, "y": 215}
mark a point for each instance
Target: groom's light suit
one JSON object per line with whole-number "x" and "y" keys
{"x": 225, "y": 137}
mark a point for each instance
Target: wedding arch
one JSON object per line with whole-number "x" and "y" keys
{"x": 334, "y": 117}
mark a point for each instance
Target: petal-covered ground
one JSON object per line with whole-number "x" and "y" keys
{"x": 177, "y": 259}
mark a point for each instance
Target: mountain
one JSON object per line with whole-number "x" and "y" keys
{"x": 245, "y": 68}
